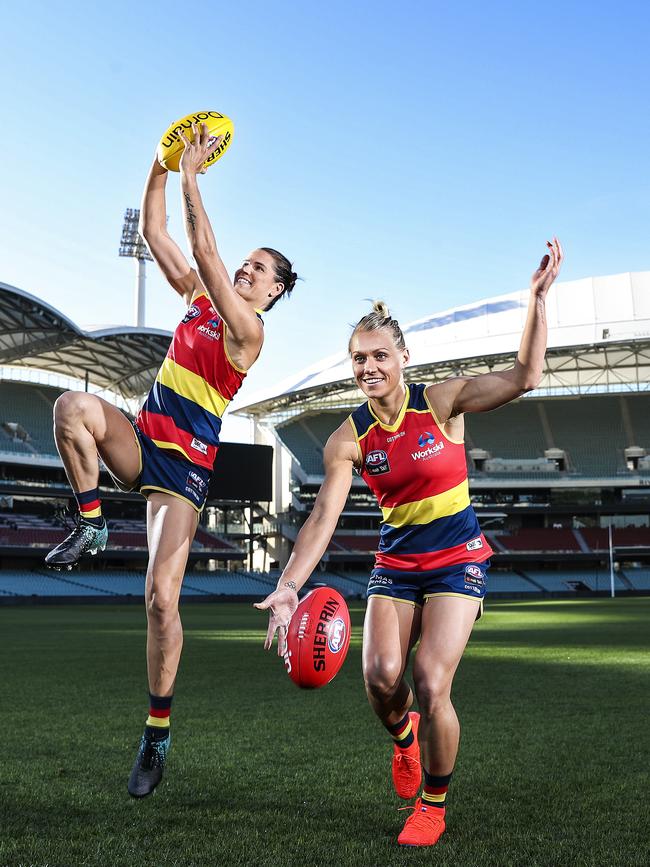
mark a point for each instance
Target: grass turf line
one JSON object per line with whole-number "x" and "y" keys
{"x": 553, "y": 768}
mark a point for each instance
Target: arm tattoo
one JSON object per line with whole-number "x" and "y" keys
{"x": 291, "y": 585}
{"x": 191, "y": 217}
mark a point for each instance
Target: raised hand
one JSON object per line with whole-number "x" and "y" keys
{"x": 549, "y": 267}
{"x": 196, "y": 152}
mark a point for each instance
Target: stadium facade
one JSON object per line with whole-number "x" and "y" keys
{"x": 560, "y": 478}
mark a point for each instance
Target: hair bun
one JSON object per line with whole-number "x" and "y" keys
{"x": 381, "y": 308}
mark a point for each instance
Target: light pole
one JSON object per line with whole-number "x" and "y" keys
{"x": 132, "y": 244}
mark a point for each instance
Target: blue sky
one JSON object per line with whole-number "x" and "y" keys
{"x": 420, "y": 153}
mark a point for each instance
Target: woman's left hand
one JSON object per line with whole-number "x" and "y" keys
{"x": 198, "y": 151}
{"x": 549, "y": 267}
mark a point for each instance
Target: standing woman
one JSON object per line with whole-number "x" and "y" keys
{"x": 430, "y": 569}
{"x": 168, "y": 453}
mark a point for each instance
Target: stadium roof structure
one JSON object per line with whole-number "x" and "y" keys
{"x": 598, "y": 340}
{"x": 33, "y": 334}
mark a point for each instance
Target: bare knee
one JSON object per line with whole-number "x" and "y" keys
{"x": 162, "y": 607}
{"x": 72, "y": 410}
{"x": 433, "y": 691}
{"x": 382, "y": 677}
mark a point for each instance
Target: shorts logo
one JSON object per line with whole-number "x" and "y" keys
{"x": 474, "y": 571}
{"x": 426, "y": 439}
{"x": 336, "y": 636}
{"x": 199, "y": 446}
{"x": 474, "y": 578}
{"x": 192, "y": 312}
{"x": 379, "y": 581}
{"x": 474, "y": 544}
{"x": 377, "y": 463}
{"x": 194, "y": 483}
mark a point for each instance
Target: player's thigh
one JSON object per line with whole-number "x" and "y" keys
{"x": 171, "y": 525}
{"x": 447, "y": 623}
{"x": 390, "y": 629}
{"x": 112, "y": 431}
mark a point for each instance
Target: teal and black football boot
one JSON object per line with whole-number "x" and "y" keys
{"x": 86, "y": 538}
{"x": 149, "y": 764}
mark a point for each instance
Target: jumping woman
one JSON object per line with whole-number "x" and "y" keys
{"x": 168, "y": 453}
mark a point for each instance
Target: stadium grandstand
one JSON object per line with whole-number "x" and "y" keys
{"x": 43, "y": 353}
{"x": 560, "y": 479}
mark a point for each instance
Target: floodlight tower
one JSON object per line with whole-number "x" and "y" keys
{"x": 133, "y": 245}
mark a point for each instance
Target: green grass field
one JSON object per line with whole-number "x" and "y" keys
{"x": 554, "y": 700}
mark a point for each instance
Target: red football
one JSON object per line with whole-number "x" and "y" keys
{"x": 318, "y": 638}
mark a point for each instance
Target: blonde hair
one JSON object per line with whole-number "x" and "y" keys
{"x": 379, "y": 318}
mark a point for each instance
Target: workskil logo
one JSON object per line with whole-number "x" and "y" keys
{"x": 431, "y": 452}
{"x": 426, "y": 439}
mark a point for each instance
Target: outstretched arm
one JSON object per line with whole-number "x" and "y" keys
{"x": 491, "y": 390}
{"x": 339, "y": 456}
{"x": 243, "y": 324}
{"x": 153, "y": 228}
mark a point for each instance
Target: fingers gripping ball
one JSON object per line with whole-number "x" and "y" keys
{"x": 171, "y": 145}
{"x": 318, "y": 638}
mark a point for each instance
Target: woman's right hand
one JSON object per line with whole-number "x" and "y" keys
{"x": 283, "y": 603}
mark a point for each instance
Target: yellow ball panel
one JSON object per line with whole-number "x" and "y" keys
{"x": 171, "y": 145}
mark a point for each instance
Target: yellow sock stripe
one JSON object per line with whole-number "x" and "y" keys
{"x": 158, "y": 722}
{"x": 430, "y": 509}
{"x": 91, "y": 513}
{"x": 434, "y": 799}
{"x": 407, "y": 731}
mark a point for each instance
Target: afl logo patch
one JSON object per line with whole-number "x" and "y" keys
{"x": 377, "y": 463}
{"x": 192, "y": 312}
{"x": 336, "y": 636}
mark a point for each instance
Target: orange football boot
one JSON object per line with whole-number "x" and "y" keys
{"x": 424, "y": 826}
{"x": 407, "y": 770}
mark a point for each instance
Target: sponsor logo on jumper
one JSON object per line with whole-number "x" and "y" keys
{"x": 474, "y": 544}
{"x": 199, "y": 446}
{"x": 377, "y": 462}
{"x": 426, "y": 439}
{"x": 211, "y": 329}
{"x": 336, "y": 636}
{"x": 395, "y": 436}
{"x": 192, "y": 312}
{"x": 320, "y": 638}
{"x": 431, "y": 452}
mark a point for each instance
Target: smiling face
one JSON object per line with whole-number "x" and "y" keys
{"x": 377, "y": 363}
{"x": 255, "y": 279}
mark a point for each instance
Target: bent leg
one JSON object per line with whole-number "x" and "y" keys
{"x": 447, "y": 622}
{"x": 85, "y": 424}
{"x": 390, "y": 629}
{"x": 171, "y": 524}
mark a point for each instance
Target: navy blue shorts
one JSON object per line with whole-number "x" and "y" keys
{"x": 161, "y": 470}
{"x": 463, "y": 579}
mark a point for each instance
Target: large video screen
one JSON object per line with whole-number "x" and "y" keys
{"x": 242, "y": 472}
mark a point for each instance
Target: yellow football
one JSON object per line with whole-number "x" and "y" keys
{"x": 171, "y": 145}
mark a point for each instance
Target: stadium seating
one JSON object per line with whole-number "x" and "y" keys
{"x": 561, "y": 580}
{"x": 540, "y": 539}
{"x": 29, "y": 406}
{"x": 639, "y": 578}
{"x": 502, "y": 581}
{"x": 348, "y": 586}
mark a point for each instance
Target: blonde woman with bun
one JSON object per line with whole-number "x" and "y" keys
{"x": 430, "y": 573}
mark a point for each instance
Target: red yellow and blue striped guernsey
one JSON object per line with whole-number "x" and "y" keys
{"x": 419, "y": 477}
{"x": 195, "y": 383}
